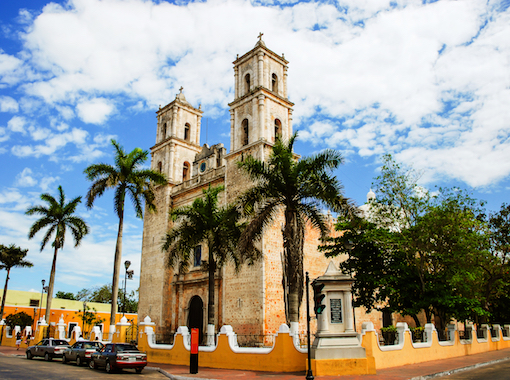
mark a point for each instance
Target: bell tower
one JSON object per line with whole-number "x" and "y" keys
{"x": 261, "y": 110}
{"x": 177, "y": 139}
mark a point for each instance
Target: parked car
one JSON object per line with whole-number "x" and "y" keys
{"x": 80, "y": 352}
{"x": 48, "y": 348}
{"x": 115, "y": 356}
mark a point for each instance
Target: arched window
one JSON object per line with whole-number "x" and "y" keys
{"x": 185, "y": 171}
{"x": 163, "y": 132}
{"x": 248, "y": 83}
{"x": 274, "y": 83}
{"x": 277, "y": 129}
{"x": 186, "y": 131}
{"x": 160, "y": 166}
{"x": 245, "y": 139}
{"x": 197, "y": 258}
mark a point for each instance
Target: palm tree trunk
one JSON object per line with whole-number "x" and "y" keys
{"x": 116, "y": 270}
{"x": 293, "y": 250}
{"x": 5, "y": 294}
{"x": 49, "y": 298}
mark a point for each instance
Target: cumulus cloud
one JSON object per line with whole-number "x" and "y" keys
{"x": 95, "y": 111}
{"x": 8, "y": 104}
{"x": 425, "y": 80}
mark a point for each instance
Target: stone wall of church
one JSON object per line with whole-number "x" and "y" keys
{"x": 153, "y": 274}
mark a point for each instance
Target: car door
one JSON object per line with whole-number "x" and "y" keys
{"x": 76, "y": 350}
{"x": 39, "y": 348}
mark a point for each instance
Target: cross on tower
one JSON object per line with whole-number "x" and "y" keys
{"x": 180, "y": 90}
{"x": 260, "y": 36}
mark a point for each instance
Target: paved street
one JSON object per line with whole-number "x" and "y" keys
{"x": 17, "y": 367}
{"x": 498, "y": 371}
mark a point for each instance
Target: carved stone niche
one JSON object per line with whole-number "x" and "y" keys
{"x": 335, "y": 337}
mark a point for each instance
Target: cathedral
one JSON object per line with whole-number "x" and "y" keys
{"x": 252, "y": 300}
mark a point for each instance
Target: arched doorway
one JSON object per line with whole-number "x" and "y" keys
{"x": 196, "y": 316}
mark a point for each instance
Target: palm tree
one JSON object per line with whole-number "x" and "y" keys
{"x": 300, "y": 189}
{"x": 219, "y": 228}
{"x": 126, "y": 176}
{"x": 11, "y": 257}
{"x": 57, "y": 217}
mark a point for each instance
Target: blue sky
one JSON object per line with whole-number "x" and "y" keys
{"x": 427, "y": 81}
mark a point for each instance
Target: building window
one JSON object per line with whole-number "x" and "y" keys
{"x": 186, "y": 132}
{"x": 274, "y": 83}
{"x": 247, "y": 82}
{"x": 185, "y": 171}
{"x": 34, "y": 303}
{"x": 197, "y": 256}
{"x": 246, "y": 132}
{"x": 277, "y": 129}
{"x": 160, "y": 166}
{"x": 164, "y": 131}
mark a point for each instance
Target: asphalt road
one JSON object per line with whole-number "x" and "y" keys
{"x": 18, "y": 367}
{"x": 498, "y": 371}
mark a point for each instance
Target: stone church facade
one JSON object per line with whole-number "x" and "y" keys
{"x": 252, "y": 299}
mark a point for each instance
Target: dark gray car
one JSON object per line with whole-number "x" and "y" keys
{"x": 80, "y": 352}
{"x": 48, "y": 348}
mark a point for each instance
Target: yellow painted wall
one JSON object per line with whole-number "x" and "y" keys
{"x": 70, "y": 310}
{"x": 284, "y": 357}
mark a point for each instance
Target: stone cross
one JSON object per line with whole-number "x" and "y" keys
{"x": 260, "y": 36}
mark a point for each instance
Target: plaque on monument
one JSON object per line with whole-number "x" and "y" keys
{"x": 336, "y": 310}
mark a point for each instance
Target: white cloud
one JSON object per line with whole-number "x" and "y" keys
{"x": 17, "y": 124}
{"x": 25, "y": 178}
{"x": 428, "y": 81}
{"x": 95, "y": 111}
{"x": 8, "y": 104}
{"x": 53, "y": 143}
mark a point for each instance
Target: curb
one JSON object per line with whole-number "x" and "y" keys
{"x": 458, "y": 370}
{"x": 176, "y": 377}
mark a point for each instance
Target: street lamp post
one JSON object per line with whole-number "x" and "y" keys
{"x": 42, "y": 292}
{"x": 83, "y": 318}
{"x": 127, "y": 264}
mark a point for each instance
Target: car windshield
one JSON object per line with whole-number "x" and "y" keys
{"x": 59, "y": 342}
{"x": 93, "y": 345}
{"x": 126, "y": 347}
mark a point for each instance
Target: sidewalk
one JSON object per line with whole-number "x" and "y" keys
{"x": 420, "y": 371}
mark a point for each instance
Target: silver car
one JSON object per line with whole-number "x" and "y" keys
{"x": 48, "y": 348}
{"x": 81, "y": 352}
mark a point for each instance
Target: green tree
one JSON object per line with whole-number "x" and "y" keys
{"x": 219, "y": 228}
{"x": 57, "y": 217}
{"x": 65, "y": 295}
{"x": 20, "y": 319}
{"x": 300, "y": 189}
{"x": 11, "y": 257}
{"x": 496, "y": 267}
{"x": 125, "y": 177}
{"x": 413, "y": 251}
{"x": 89, "y": 318}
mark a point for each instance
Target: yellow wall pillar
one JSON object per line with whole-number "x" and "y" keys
{"x": 120, "y": 331}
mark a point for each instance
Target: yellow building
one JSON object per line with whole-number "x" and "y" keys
{"x": 69, "y": 310}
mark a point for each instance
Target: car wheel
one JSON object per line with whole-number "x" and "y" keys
{"x": 29, "y": 355}
{"x": 139, "y": 370}
{"x": 47, "y": 357}
{"x": 92, "y": 364}
{"x": 108, "y": 367}
{"x": 78, "y": 361}
{"x": 64, "y": 359}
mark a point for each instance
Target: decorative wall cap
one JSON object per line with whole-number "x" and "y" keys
{"x": 367, "y": 326}
{"x": 284, "y": 328}
{"x": 226, "y": 330}
{"x": 182, "y": 330}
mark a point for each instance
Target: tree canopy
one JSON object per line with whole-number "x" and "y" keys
{"x": 412, "y": 250}
{"x": 126, "y": 177}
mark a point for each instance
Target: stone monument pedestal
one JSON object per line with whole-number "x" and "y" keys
{"x": 337, "y": 349}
